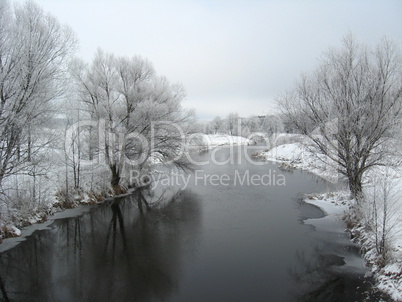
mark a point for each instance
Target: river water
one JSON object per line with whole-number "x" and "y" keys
{"x": 237, "y": 232}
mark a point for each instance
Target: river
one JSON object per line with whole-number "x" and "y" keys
{"x": 237, "y": 232}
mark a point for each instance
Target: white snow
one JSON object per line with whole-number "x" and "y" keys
{"x": 210, "y": 141}
{"x": 15, "y": 231}
{"x": 301, "y": 156}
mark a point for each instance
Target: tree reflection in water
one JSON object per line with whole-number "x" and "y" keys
{"x": 118, "y": 252}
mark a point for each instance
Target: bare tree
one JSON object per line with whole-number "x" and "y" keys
{"x": 138, "y": 109}
{"x": 382, "y": 213}
{"x": 353, "y": 99}
{"x": 101, "y": 100}
{"x": 34, "y": 49}
{"x": 272, "y": 124}
{"x": 217, "y": 124}
{"x": 232, "y": 121}
{"x": 254, "y": 123}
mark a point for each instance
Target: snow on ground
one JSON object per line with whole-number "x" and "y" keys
{"x": 31, "y": 200}
{"x": 332, "y": 203}
{"x": 300, "y": 156}
{"x": 297, "y": 156}
{"x": 210, "y": 141}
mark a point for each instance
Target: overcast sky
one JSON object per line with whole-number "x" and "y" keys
{"x": 230, "y": 55}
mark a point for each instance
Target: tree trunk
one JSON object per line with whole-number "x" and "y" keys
{"x": 356, "y": 188}
{"x": 29, "y": 144}
{"x": 115, "y": 175}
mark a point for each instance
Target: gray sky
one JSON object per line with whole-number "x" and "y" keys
{"x": 230, "y": 55}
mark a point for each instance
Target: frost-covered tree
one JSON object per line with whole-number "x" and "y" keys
{"x": 141, "y": 113}
{"x": 217, "y": 124}
{"x": 272, "y": 124}
{"x": 353, "y": 99}
{"x": 383, "y": 213}
{"x": 254, "y": 123}
{"x": 34, "y": 50}
{"x": 232, "y": 123}
{"x": 100, "y": 99}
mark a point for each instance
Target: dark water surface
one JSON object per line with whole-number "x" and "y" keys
{"x": 239, "y": 240}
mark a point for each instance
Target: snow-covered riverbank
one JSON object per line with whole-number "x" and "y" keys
{"x": 339, "y": 205}
{"x": 211, "y": 141}
{"x": 51, "y": 196}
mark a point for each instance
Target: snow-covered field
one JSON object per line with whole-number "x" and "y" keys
{"x": 337, "y": 204}
{"x": 210, "y": 141}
